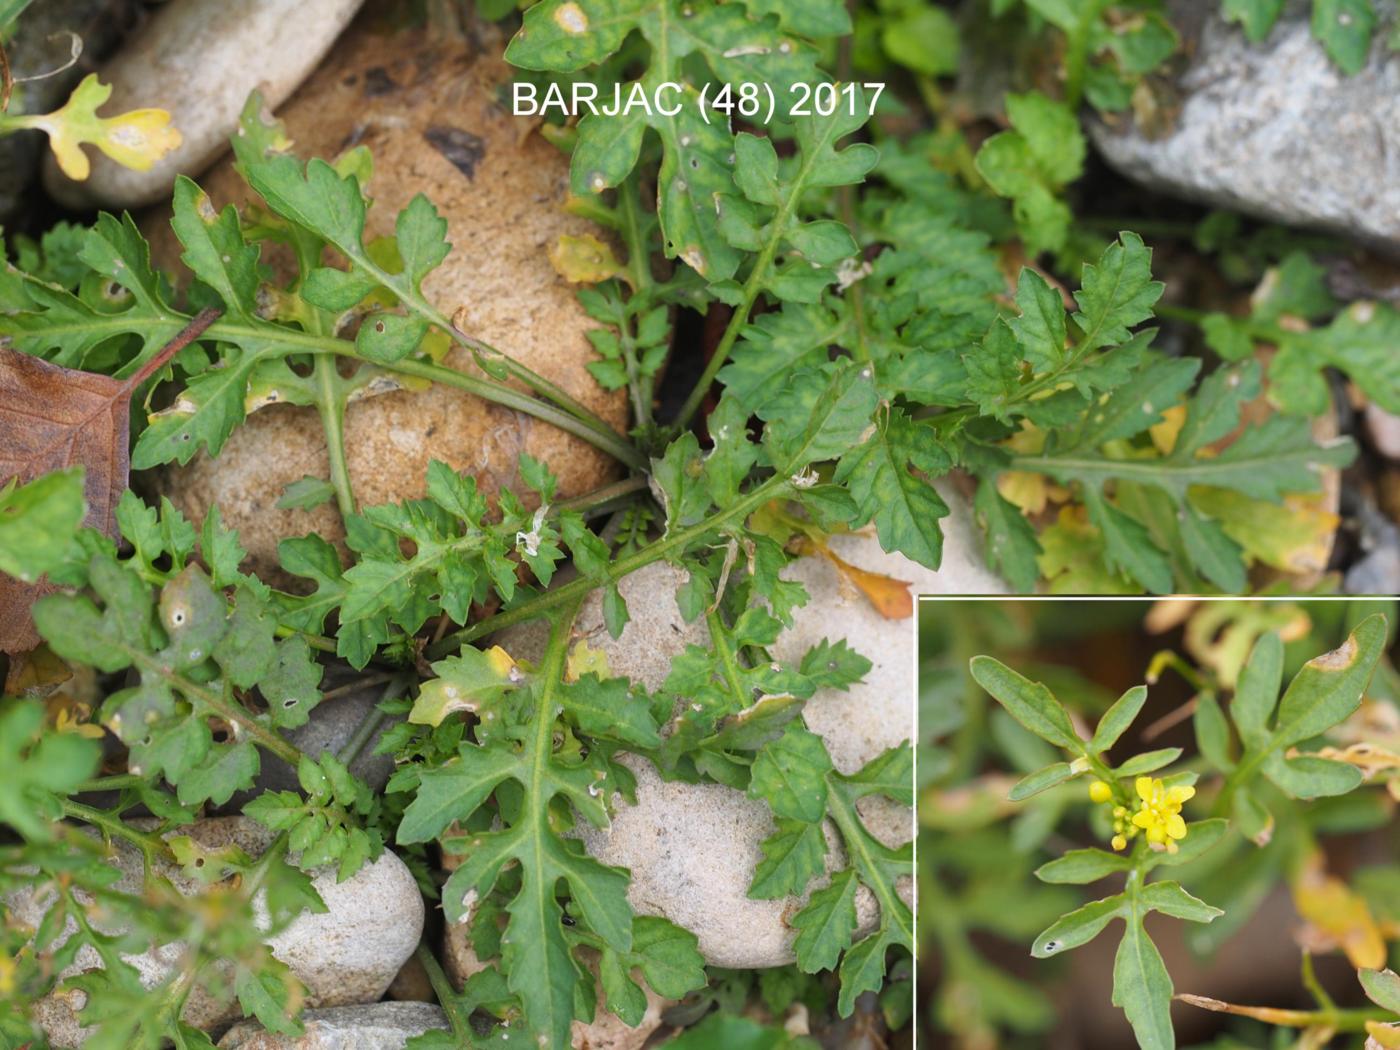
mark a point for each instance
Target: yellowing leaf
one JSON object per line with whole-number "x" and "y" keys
{"x": 1072, "y": 558}
{"x": 1338, "y": 916}
{"x": 1164, "y": 433}
{"x": 890, "y": 597}
{"x": 136, "y": 139}
{"x": 466, "y": 682}
{"x": 1382, "y": 1036}
{"x": 583, "y": 659}
{"x": 1295, "y": 536}
{"x": 583, "y": 259}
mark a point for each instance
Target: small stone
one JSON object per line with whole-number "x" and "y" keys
{"x": 1378, "y": 570}
{"x": 1384, "y": 430}
{"x": 1275, "y": 129}
{"x": 692, "y": 850}
{"x": 347, "y": 954}
{"x": 198, "y": 60}
{"x": 378, "y": 1026}
{"x": 505, "y": 193}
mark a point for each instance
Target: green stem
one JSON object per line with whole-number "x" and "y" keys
{"x": 605, "y": 499}
{"x": 853, "y": 836}
{"x": 591, "y": 430}
{"x": 229, "y": 710}
{"x": 1077, "y": 55}
{"x": 150, "y": 845}
{"x": 330, "y": 403}
{"x": 576, "y": 589}
{"x": 607, "y": 439}
{"x": 721, "y": 642}
{"x": 639, "y": 263}
{"x": 372, "y": 720}
{"x": 749, "y": 294}
{"x": 111, "y": 783}
{"x": 316, "y": 641}
{"x": 447, "y": 998}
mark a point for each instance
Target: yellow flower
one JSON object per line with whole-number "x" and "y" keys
{"x": 1100, "y": 792}
{"x": 1159, "y": 812}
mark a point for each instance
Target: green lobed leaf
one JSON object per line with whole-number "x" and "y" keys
{"x": 789, "y": 773}
{"x": 1141, "y": 986}
{"x": 1080, "y": 866}
{"x": 1030, "y": 703}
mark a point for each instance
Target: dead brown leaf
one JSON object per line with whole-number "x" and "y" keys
{"x": 53, "y": 417}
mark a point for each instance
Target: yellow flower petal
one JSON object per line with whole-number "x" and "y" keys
{"x": 1144, "y": 788}
{"x": 1176, "y": 827}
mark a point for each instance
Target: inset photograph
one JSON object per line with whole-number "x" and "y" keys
{"x": 1158, "y": 823}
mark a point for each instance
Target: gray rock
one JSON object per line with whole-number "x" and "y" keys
{"x": 347, "y": 954}
{"x": 198, "y": 60}
{"x": 378, "y": 1026}
{"x": 1275, "y": 129}
{"x": 42, "y": 45}
{"x": 332, "y": 724}
{"x": 1378, "y": 570}
{"x": 692, "y": 850}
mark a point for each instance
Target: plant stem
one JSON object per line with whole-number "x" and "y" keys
{"x": 729, "y": 662}
{"x": 370, "y": 723}
{"x": 607, "y": 439}
{"x": 575, "y": 589}
{"x": 330, "y": 403}
{"x": 447, "y": 998}
{"x": 316, "y": 641}
{"x": 1077, "y": 54}
{"x": 605, "y": 499}
{"x": 187, "y": 335}
{"x": 639, "y": 263}
{"x": 750, "y": 292}
{"x": 150, "y": 845}
{"x": 856, "y": 840}
{"x": 588, "y": 427}
{"x": 229, "y": 710}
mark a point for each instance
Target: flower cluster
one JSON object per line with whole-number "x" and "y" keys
{"x": 1158, "y": 815}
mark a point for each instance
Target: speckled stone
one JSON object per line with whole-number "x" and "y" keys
{"x": 198, "y": 60}
{"x": 377, "y": 1026}
{"x": 692, "y": 848}
{"x": 347, "y": 954}
{"x": 1276, "y": 129}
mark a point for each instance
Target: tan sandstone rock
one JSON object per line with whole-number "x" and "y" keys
{"x": 425, "y": 104}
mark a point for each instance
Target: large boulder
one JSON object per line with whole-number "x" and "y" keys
{"x": 425, "y": 104}
{"x": 1275, "y": 128}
